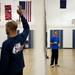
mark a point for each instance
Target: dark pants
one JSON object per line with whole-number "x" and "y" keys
{"x": 20, "y": 73}
{"x": 54, "y": 56}
{"x": 16, "y": 73}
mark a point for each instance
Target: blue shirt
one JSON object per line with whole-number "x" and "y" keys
{"x": 55, "y": 41}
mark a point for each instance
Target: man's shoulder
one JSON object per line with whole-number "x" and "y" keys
{"x": 6, "y": 42}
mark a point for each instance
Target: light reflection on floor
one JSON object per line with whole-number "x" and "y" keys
{"x": 66, "y": 62}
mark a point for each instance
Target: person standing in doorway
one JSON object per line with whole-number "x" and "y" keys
{"x": 12, "y": 61}
{"x": 54, "y": 49}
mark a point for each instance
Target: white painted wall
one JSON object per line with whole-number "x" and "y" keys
{"x": 56, "y": 18}
{"x": 3, "y": 22}
{"x": 67, "y": 36}
{"x": 61, "y": 19}
{"x": 39, "y": 39}
{"x": 14, "y": 4}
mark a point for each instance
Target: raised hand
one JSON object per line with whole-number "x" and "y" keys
{"x": 19, "y": 10}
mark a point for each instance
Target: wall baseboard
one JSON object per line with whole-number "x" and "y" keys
{"x": 62, "y": 48}
{"x": 48, "y": 48}
{"x": 68, "y": 48}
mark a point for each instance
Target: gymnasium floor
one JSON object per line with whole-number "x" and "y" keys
{"x": 66, "y": 62}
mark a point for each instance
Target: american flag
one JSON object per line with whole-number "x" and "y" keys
{"x": 26, "y": 6}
